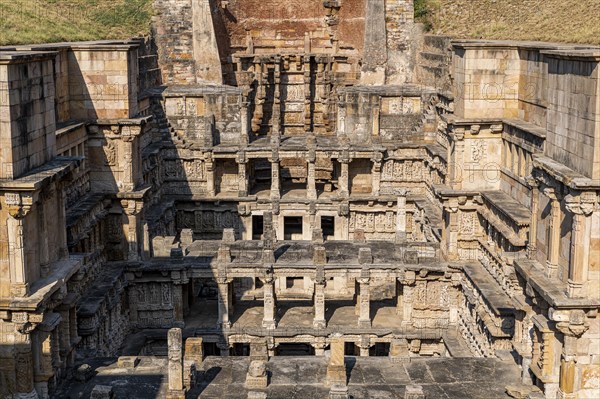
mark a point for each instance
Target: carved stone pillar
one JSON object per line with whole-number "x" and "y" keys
{"x": 23, "y": 360}
{"x": 336, "y": 369}
{"x": 175, "y": 371}
{"x": 178, "y": 304}
{"x": 210, "y": 175}
{"x": 319, "y": 320}
{"x": 18, "y": 210}
{"x": 311, "y": 186}
{"x": 344, "y": 178}
{"x": 407, "y": 298}
{"x": 376, "y": 174}
{"x": 245, "y": 122}
{"x": 128, "y": 179}
{"x": 401, "y": 216}
{"x": 554, "y": 236}
{"x": 269, "y": 304}
{"x": 133, "y": 230}
{"x": 364, "y": 300}
{"x": 580, "y": 244}
{"x": 535, "y": 201}
{"x": 399, "y": 297}
{"x": 44, "y": 255}
{"x": 276, "y": 114}
{"x": 364, "y": 345}
{"x": 456, "y": 158}
{"x": 572, "y": 330}
{"x": 224, "y": 305}
{"x": 319, "y": 346}
{"x": 64, "y": 333}
{"x": 450, "y": 230}
{"x": 224, "y": 348}
{"x": 19, "y": 285}
{"x": 275, "y": 182}
{"x": 242, "y": 174}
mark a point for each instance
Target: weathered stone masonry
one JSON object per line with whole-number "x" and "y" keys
{"x": 275, "y": 187}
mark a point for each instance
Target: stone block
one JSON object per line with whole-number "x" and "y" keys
{"x": 84, "y": 373}
{"x": 128, "y": 362}
{"x": 229, "y": 236}
{"x": 339, "y": 391}
{"x": 102, "y": 392}
{"x": 365, "y": 256}
{"x": 257, "y": 395}
{"x": 359, "y": 235}
{"x": 319, "y": 256}
{"x": 194, "y": 350}
{"x": 414, "y": 392}
{"x": 257, "y": 375}
{"x": 522, "y": 391}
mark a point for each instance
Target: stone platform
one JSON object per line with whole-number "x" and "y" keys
{"x": 304, "y": 377}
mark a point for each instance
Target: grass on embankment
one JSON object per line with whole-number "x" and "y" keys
{"x": 576, "y": 21}
{"x": 44, "y": 21}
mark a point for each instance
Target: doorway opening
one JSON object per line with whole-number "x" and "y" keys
{"x": 292, "y": 228}
{"x": 257, "y": 227}
{"x": 328, "y": 227}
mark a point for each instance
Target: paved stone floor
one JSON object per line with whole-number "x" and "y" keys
{"x": 303, "y": 378}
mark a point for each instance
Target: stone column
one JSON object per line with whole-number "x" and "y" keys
{"x": 276, "y": 114}
{"x": 175, "y": 371}
{"x": 23, "y": 361}
{"x": 132, "y": 210}
{"x": 242, "y": 162}
{"x": 319, "y": 345}
{"x": 554, "y": 241}
{"x": 210, "y": 174}
{"x": 260, "y": 95}
{"x": 224, "y": 348}
{"x": 572, "y": 330}
{"x": 319, "y": 320}
{"x": 269, "y": 304}
{"x": 399, "y": 297}
{"x": 456, "y": 159}
{"x": 43, "y": 232}
{"x": 401, "y": 216}
{"x": 178, "y": 304}
{"x": 364, "y": 345}
{"x": 223, "y": 320}
{"x": 19, "y": 286}
{"x": 275, "y": 183}
{"x": 61, "y": 217}
{"x": 128, "y": 179}
{"x": 535, "y": 200}
{"x": 364, "y": 317}
{"x": 245, "y": 122}
{"x": 376, "y": 173}
{"x": 311, "y": 187}
{"x": 65, "y": 333}
{"x": 450, "y": 230}
{"x": 336, "y": 369}
{"x": 580, "y": 245}
{"x": 344, "y": 178}
{"x": 407, "y": 298}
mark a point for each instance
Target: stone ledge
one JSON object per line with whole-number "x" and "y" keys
{"x": 552, "y": 290}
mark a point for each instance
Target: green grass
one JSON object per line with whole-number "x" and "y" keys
{"x": 46, "y": 21}
{"x": 563, "y": 21}
{"x": 43, "y": 21}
